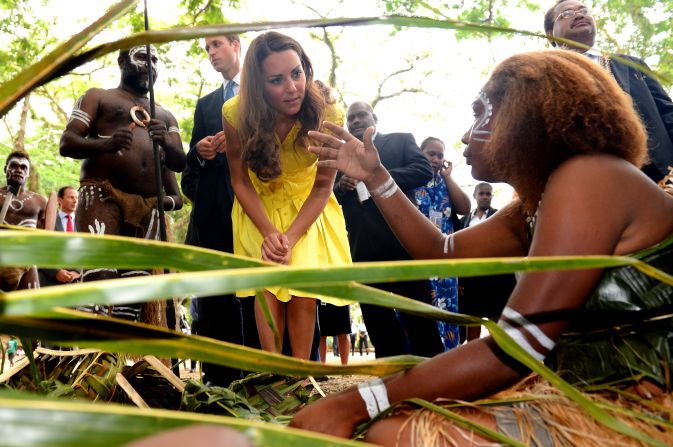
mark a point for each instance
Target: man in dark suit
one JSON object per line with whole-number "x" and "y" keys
{"x": 572, "y": 20}
{"x": 483, "y": 296}
{"x": 372, "y": 240}
{"x": 65, "y": 221}
{"x": 206, "y": 182}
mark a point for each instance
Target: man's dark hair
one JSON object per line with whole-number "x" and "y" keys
{"x": 428, "y": 140}
{"x": 549, "y": 20}
{"x": 63, "y": 189}
{"x": 17, "y": 154}
{"x": 479, "y": 185}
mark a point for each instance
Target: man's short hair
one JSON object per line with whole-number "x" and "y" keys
{"x": 479, "y": 185}
{"x": 233, "y": 38}
{"x": 63, "y": 189}
{"x": 17, "y": 154}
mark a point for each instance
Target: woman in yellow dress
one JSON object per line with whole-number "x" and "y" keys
{"x": 284, "y": 210}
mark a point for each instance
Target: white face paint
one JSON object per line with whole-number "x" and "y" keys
{"x": 478, "y": 132}
{"x": 138, "y": 56}
{"x": 17, "y": 170}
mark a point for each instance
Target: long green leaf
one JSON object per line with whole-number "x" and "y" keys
{"x": 69, "y": 327}
{"x": 28, "y": 421}
{"x": 189, "y": 33}
{"x": 47, "y": 67}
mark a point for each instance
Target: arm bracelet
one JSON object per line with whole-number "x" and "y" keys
{"x": 172, "y": 203}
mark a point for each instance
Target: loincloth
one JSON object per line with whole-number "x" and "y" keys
{"x": 135, "y": 209}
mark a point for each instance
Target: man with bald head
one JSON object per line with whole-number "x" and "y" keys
{"x": 573, "y": 20}
{"x": 110, "y": 130}
{"x": 371, "y": 239}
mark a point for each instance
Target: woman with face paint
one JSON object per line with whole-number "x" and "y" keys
{"x": 285, "y": 210}
{"x": 558, "y": 129}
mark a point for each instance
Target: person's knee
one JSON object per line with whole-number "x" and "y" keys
{"x": 387, "y": 432}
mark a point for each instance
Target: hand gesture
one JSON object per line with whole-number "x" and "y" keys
{"x": 346, "y": 153}
{"x": 212, "y": 145}
{"x": 276, "y": 248}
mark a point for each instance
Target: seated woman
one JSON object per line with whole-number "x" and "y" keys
{"x": 556, "y": 127}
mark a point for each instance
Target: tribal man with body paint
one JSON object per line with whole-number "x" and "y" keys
{"x": 111, "y": 131}
{"x": 22, "y": 208}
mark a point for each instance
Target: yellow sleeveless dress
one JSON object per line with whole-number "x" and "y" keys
{"x": 325, "y": 242}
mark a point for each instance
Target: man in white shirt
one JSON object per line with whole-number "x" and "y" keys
{"x": 483, "y": 193}
{"x": 65, "y": 221}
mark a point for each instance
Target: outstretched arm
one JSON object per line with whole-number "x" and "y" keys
{"x": 502, "y": 235}
{"x": 538, "y": 310}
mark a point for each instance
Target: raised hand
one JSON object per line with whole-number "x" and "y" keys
{"x": 346, "y": 153}
{"x": 447, "y": 168}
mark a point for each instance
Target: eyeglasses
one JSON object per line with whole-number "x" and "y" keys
{"x": 570, "y": 13}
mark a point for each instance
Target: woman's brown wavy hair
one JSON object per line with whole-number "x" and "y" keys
{"x": 258, "y": 119}
{"x": 552, "y": 105}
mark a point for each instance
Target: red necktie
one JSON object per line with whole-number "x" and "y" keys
{"x": 69, "y": 227}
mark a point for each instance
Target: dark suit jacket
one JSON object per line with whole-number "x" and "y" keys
{"x": 655, "y": 109}
{"x": 465, "y": 221}
{"x": 368, "y": 233}
{"x": 48, "y": 276}
{"x": 206, "y": 183}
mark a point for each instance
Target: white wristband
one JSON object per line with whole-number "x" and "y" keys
{"x": 375, "y": 396}
{"x": 370, "y": 400}
{"x": 380, "y": 393}
{"x": 172, "y": 203}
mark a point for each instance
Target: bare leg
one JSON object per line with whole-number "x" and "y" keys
{"x": 387, "y": 431}
{"x": 344, "y": 341}
{"x": 301, "y": 314}
{"x": 267, "y": 337}
{"x": 323, "y": 349}
{"x": 29, "y": 280}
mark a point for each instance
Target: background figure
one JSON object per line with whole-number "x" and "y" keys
{"x": 283, "y": 210}
{"x": 372, "y": 240}
{"x": 25, "y": 209}
{"x": 572, "y": 20}
{"x": 483, "y": 296}
{"x": 353, "y": 336}
{"x": 65, "y": 221}
{"x": 12, "y": 348}
{"x": 440, "y": 200}
{"x": 363, "y": 339}
{"x": 207, "y": 183}
{"x": 334, "y": 321}
{"x": 111, "y": 131}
